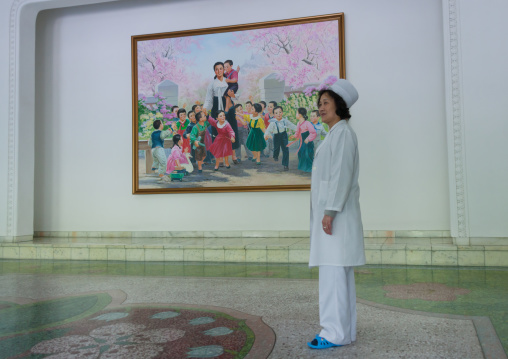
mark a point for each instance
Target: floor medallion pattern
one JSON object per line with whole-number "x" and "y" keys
{"x": 96, "y": 325}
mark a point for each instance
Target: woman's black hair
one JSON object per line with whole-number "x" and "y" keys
{"x": 341, "y": 108}
{"x": 215, "y": 65}
{"x": 182, "y": 110}
{"x": 176, "y": 139}
{"x": 199, "y": 115}
{"x": 257, "y": 107}
{"x": 302, "y": 111}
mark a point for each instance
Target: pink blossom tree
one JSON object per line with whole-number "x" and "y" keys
{"x": 299, "y": 53}
{"x": 159, "y": 60}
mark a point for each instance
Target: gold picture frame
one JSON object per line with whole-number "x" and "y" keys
{"x": 288, "y": 59}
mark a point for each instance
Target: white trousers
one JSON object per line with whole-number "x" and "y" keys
{"x": 337, "y": 304}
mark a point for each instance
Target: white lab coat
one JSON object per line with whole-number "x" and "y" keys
{"x": 334, "y": 186}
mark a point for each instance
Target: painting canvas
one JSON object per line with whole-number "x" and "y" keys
{"x": 242, "y": 100}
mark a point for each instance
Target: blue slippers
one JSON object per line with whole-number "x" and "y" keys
{"x": 321, "y": 343}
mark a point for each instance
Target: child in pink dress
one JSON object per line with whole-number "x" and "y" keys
{"x": 221, "y": 148}
{"x": 177, "y": 157}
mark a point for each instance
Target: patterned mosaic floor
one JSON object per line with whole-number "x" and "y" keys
{"x": 95, "y": 325}
{"x": 99, "y": 324}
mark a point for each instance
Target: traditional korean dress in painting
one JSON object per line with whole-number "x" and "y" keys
{"x": 231, "y": 118}
{"x": 256, "y": 140}
{"x": 215, "y": 96}
{"x": 176, "y": 154}
{"x": 305, "y": 130}
{"x": 199, "y": 133}
{"x": 180, "y": 128}
{"x": 222, "y": 147}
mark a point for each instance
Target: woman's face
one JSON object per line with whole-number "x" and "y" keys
{"x": 221, "y": 117}
{"x": 327, "y": 109}
{"x": 219, "y": 71}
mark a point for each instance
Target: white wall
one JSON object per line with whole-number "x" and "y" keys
{"x": 394, "y": 55}
{"x": 4, "y": 113}
{"x": 485, "y": 92}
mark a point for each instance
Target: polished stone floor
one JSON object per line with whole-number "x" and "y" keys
{"x": 92, "y": 309}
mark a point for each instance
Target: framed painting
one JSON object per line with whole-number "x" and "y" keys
{"x": 232, "y": 108}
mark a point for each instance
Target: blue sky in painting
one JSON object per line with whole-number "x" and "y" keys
{"x": 216, "y": 47}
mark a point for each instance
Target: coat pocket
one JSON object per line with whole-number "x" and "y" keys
{"x": 323, "y": 192}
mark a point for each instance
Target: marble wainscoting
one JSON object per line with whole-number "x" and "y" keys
{"x": 433, "y": 248}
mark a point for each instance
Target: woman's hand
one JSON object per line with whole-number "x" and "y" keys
{"x": 232, "y": 139}
{"x": 306, "y": 141}
{"x": 327, "y": 224}
{"x": 196, "y": 143}
{"x": 292, "y": 137}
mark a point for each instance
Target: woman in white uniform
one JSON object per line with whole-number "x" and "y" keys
{"x": 336, "y": 231}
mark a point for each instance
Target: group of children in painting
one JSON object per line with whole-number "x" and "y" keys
{"x": 202, "y": 138}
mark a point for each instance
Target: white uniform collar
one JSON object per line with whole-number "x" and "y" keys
{"x": 337, "y": 125}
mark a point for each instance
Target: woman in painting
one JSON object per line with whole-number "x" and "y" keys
{"x": 306, "y": 133}
{"x": 215, "y": 98}
{"x": 221, "y": 148}
{"x": 336, "y": 231}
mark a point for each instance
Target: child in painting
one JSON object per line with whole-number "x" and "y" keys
{"x": 180, "y": 126}
{"x": 198, "y": 139}
{"x": 248, "y": 108}
{"x": 177, "y": 157}
{"x": 222, "y": 147}
{"x": 242, "y": 121}
{"x": 231, "y": 76}
{"x": 306, "y": 133}
{"x": 175, "y": 109}
{"x": 256, "y": 142}
{"x": 186, "y": 135}
{"x": 318, "y": 126}
{"x": 156, "y": 142}
{"x": 278, "y": 129}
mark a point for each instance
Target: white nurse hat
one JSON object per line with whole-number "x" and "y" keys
{"x": 346, "y": 90}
